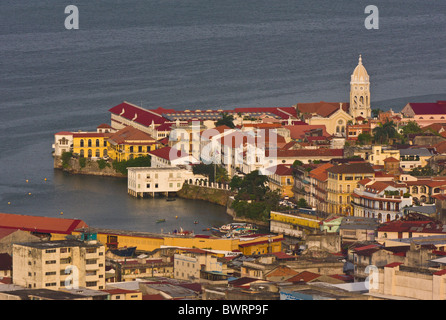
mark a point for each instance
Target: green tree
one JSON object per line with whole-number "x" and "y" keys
{"x": 376, "y": 112}
{"x": 384, "y": 132}
{"x": 66, "y": 156}
{"x": 364, "y": 138}
{"x": 226, "y": 120}
{"x": 410, "y": 128}
{"x": 302, "y": 203}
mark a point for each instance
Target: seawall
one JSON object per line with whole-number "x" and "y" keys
{"x": 217, "y": 196}
{"x": 91, "y": 168}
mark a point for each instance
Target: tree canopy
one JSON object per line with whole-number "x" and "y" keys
{"x": 226, "y": 120}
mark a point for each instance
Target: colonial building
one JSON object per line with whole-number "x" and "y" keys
{"x": 129, "y": 143}
{"x": 143, "y": 181}
{"x": 90, "y": 144}
{"x": 383, "y": 200}
{"x": 342, "y": 179}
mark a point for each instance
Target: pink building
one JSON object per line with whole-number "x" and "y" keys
{"x": 426, "y": 113}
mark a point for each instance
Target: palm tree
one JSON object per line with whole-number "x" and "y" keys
{"x": 384, "y": 132}
{"x": 226, "y": 120}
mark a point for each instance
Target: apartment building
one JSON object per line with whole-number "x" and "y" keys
{"x": 59, "y": 264}
{"x": 342, "y": 180}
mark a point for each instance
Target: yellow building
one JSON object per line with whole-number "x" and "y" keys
{"x": 281, "y": 178}
{"x": 129, "y": 143}
{"x": 342, "y": 180}
{"x": 90, "y": 144}
{"x": 293, "y": 224}
{"x": 145, "y": 241}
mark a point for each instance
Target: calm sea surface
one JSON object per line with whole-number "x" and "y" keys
{"x": 182, "y": 55}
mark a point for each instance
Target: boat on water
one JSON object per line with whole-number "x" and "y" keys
{"x": 171, "y": 199}
{"x": 160, "y": 220}
{"x": 239, "y": 227}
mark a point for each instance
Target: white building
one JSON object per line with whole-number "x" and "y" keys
{"x": 150, "y": 181}
{"x": 383, "y": 200}
{"x": 63, "y": 142}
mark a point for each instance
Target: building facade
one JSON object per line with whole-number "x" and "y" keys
{"x": 342, "y": 180}
{"x": 59, "y": 264}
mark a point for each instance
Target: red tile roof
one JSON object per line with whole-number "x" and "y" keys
{"x": 168, "y": 153}
{"x": 323, "y": 109}
{"x": 438, "y": 107}
{"x": 130, "y": 134}
{"x": 137, "y": 114}
{"x": 304, "y": 276}
{"x": 40, "y": 224}
{"x": 393, "y": 265}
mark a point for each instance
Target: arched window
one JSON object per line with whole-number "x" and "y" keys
{"x": 90, "y": 153}
{"x": 105, "y": 153}
{"x": 131, "y": 149}
{"x": 388, "y": 218}
{"x": 81, "y": 154}
{"x": 89, "y": 142}
{"x": 82, "y": 143}
{"x": 414, "y": 189}
{"x": 98, "y": 153}
{"x": 97, "y": 142}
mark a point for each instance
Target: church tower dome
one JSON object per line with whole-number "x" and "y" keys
{"x": 360, "y": 92}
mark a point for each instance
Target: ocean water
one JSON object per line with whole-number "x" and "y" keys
{"x": 182, "y": 55}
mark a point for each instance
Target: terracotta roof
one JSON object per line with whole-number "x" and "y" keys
{"x": 393, "y": 265}
{"x": 104, "y": 125}
{"x": 281, "y": 170}
{"x": 304, "y": 276}
{"x": 168, "y": 153}
{"x": 298, "y": 131}
{"x": 6, "y": 232}
{"x": 391, "y": 159}
{"x": 130, "y": 134}
{"x": 323, "y": 109}
{"x": 40, "y": 224}
{"x": 282, "y": 271}
{"x": 352, "y": 167}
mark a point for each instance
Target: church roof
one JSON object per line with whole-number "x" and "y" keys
{"x": 360, "y": 73}
{"x": 323, "y": 109}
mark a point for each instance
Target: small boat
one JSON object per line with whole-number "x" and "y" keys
{"x": 196, "y": 222}
{"x": 160, "y": 220}
{"x": 171, "y": 199}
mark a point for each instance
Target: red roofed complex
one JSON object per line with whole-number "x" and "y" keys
{"x": 54, "y": 226}
{"x": 425, "y": 114}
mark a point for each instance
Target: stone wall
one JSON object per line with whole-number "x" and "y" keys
{"x": 91, "y": 168}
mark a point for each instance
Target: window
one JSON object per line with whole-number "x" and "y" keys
{"x": 50, "y": 262}
{"x": 89, "y": 142}
{"x": 50, "y": 250}
{"x": 97, "y": 142}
